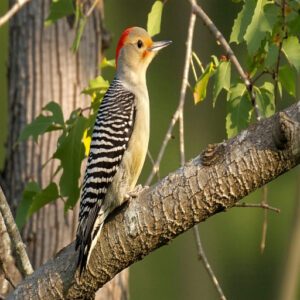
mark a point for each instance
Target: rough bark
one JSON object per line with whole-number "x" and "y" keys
{"x": 7, "y": 261}
{"x": 211, "y": 183}
{"x": 41, "y": 69}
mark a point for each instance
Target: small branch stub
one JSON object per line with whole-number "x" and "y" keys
{"x": 212, "y": 154}
{"x": 286, "y": 133}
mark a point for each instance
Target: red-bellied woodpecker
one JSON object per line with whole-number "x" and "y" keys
{"x": 119, "y": 140}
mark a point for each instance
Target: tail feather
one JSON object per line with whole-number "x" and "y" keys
{"x": 86, "y": 246}
{"x": 82, "y": 259}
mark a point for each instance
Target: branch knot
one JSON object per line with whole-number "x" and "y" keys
{"x": 212, "y": 154}
{"x": 286, "y": 134}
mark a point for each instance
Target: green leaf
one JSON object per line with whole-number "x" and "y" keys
{"x": 33, "y": 199}
{"x": 108, "y": 63}
{"x": 79, "y": 31}
{"x": 47, "y": 195}
{"x": 154, "y": 18}
{"x": 44, "y": 123}
{"x": 38, "y": 126}
{"x": 264, "y": 18}
{"x": 239, "y": 110}
{"x": 99, "y": 84}
{"x": 291, "y": 49}
{"x": 222, "y": 80}
{"x": 236, "y": 91}
{"x": 215, "y": 60}
{"x": 272, "y": 13}
{"x": 271, "y": 56}
{"x": 72, "y": 119}
{"x": 265, "y": 99}
{"x": 201, "y": 84}
{"x": 59, "y": 9}
{"x": 293, "y": 22}
{"x": 31, "y": 189}
{"x": 57, "y": 114}
{"x": 288, "y": 77}
{"x": 242, "y": 21}
{"x": 71, "y": 153}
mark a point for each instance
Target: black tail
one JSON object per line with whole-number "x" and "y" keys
{"x": 83, "y": 254}
{"x": 85, "y": 244}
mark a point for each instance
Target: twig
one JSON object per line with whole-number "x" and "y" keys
{"x": 184, "y": 85}
{"x": 181, "y": 139}
{"x": 202, "y": 256}
{"x": 165, "y": 142}
{"x": 179, "y": 109}
{"x": 92, "y": 8}
{"x": 264, "y": 202}
{"x": 19, "y": 247}
{"x": 259, "y": 205}
{"x": 13, "y": 10}
{"x": 264, "y": 72}
{"x": 178, "y": 116}
{"x": 85, "y": 109}
{"x": 229, "y": 52}
{"x": 276, "y": 73}
{"x": 153, "y": 163}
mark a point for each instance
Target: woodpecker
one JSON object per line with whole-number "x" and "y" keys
{"x": 119, "y": 139}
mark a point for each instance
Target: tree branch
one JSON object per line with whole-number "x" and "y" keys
{"x": 7, "y": 276}
{"x": 12, "y": 11}
{"x": 22, "y": 259}
{"x": 212, "y": 182}
{"x": 258, "y": 205}
{"x": 10, "y": 273}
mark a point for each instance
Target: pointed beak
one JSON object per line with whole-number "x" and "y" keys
{"x": 156, "y": 46}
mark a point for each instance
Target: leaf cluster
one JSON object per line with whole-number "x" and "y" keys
{"x": 73, "y": 143}
{"x": 268, "y": 30}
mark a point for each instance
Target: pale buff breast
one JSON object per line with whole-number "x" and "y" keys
{"x": 138, "y": 144}
{"x": 134, "y": 156}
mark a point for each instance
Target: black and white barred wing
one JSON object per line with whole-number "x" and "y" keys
{"x": 111, "y": 134}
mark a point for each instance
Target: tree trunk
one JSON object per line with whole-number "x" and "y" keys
{"x": 41, "y": 69}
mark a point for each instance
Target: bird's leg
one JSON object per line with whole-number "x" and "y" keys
{"x": 134, "y": 193}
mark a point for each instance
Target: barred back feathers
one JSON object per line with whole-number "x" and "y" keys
{"x": 111, "y": 134}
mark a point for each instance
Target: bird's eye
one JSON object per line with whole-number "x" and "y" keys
{"x": 139, "y": 44}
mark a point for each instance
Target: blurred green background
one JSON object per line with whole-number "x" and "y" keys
{"x": 232, "y": 239}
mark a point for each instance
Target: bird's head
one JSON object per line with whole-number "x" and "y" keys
{"x": 136, "y": 50}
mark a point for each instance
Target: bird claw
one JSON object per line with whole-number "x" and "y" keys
{"x": 133, "y": 194}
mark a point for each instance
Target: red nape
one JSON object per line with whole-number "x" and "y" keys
{"x": 121, "y": 42}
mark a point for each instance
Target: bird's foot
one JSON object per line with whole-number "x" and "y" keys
{"x": 133, "y": 194}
